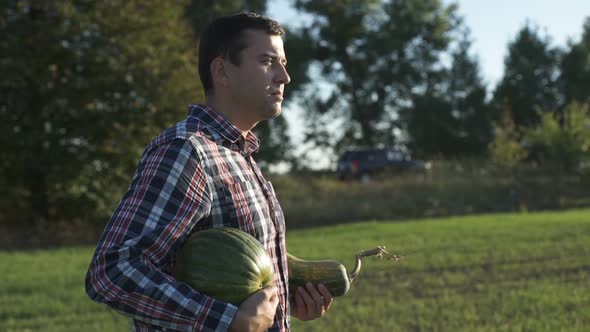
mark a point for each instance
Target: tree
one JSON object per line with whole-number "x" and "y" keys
{"x": 201, "y": 12}
{"x": 467, "y": 93}
{"x": 370, "y": 56}
{"x": 451, "y": 117}
{"x": 531, "y": 70}
{"x": 85, "y": 85}
{"x": 575, "y": 69}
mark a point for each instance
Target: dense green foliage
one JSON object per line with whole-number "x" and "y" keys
{"x": 575, "y": 69}
{"x": 372, "y": 55}
{"x": 84, "y": 87}
{"x": 497, "y": 272}
{"x": 562, "y": 139}
{"x": 505, "y": 149}
{"x": 201, "y": 12}
{"x": 530, "y": 81}
{"x": 386, "y": 79}
{"x": 542, "y": 90}
{"x": 451, "y": 117}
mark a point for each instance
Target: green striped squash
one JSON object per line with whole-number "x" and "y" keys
{"x": 329, "y": 272}
{"x": 226, "y": 264}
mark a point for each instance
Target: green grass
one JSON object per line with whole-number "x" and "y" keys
{"x": 504, "y": 272}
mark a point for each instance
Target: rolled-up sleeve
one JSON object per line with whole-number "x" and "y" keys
{"x": 167, "y": 197}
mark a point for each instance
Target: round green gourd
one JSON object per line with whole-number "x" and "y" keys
{"x": 226, "y": 264}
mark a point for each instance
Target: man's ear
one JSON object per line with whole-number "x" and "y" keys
{"x": 219, "y": 73}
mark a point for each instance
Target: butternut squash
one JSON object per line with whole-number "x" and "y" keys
{"x": 331, "y": 273}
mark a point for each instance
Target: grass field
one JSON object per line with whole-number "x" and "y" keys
{"x": 504, "y": 272}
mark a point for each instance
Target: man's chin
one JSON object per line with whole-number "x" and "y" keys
{"x": 277, "y": 113}
{"x": 274, "y": 112}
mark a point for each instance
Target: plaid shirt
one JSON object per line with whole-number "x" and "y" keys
{"x": 196, "y": 175}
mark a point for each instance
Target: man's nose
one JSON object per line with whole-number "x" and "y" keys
{"x": 282, "y": 76}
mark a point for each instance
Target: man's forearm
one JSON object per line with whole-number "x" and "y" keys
{"x": 130, "y": 284}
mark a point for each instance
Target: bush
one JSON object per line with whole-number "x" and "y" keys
{"x": 506, "y": 150}
{"x": 452, "y": 188}
{"x": 562, "y": 140}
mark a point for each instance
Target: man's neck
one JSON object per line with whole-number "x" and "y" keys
{"x": 232, "y": 113}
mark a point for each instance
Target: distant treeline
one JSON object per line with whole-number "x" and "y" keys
{"x": 85, "y": 85}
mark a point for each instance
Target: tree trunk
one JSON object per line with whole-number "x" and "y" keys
{"x": 37, "y": 186}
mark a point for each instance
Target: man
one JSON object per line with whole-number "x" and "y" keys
{"x": 200, "y": 174}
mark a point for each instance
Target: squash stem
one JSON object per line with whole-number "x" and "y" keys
{"x": 378, "y": 251}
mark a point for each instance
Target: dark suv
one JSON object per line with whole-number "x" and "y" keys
{"x": 364, "y": 163}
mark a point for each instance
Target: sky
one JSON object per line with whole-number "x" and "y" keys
{"x": 493, "y": 25}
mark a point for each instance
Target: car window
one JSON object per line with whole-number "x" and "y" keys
{"x": 381, "y": 156}
{"x": 374, "y": 155}
{"x": 395, "y": 155}
{"x": 347, "y": 156}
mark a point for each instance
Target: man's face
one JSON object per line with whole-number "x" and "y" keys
{"x": 257, "y": 83}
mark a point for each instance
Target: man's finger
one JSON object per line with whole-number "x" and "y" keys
{"x": 309, "y": 303}
{"x": 270, "y": 292}
{"x": 317, "y": 298}
{"x": 270, "y": 295}
{"x": 328, "y": 299}
{"x": 299, "y": 304}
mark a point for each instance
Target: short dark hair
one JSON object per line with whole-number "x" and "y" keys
{"x": 225, "y": 37}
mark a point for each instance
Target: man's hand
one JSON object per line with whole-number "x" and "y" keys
{"x": 257, "y": 313}
{"x": 311, "y": 302}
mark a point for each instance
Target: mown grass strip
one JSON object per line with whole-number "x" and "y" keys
{"x": 500, "y": 272}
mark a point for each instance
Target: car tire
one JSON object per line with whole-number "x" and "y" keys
{"x": 365, "y": 178}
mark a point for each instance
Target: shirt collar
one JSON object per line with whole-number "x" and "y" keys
{"x": 218, "y": 123}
